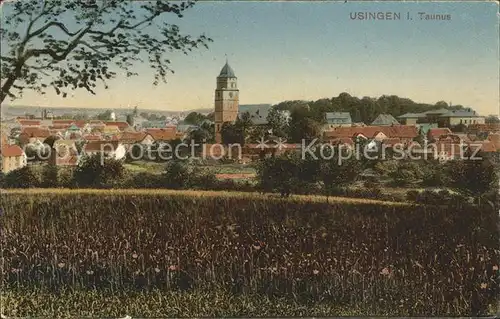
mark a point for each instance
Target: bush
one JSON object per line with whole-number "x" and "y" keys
{"x": 370, "y": 183}
{"x": 205, "y": 181}
{"x": 372, "y": 193}
{"x": 50, "y": 176}
{"x": 98, "y": 172}
{"x": 431, "y": 198}
{"x": 143, "y": 180}
{"x": 21, "y": 178}
{"x": 412, "y": 195}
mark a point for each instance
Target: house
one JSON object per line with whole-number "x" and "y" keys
{"x": 480, "y": 128}
{"x": 337, "y": 119}
{"x": 113, "y": 149}
{"x": 258, "y": 112}
{"x": 13, "y": 157}
{"x": 96, "y": 124}
{"x": 465, "y": 117}
{"x": 33, "y": 134}
{"x": 120, "y": 125}
{"x": 434, "y": 133}
{"x": 434, "y": 116}
{"x": 443, "y": 117}
{"x": 73, "y": 132}
{"x": 495, "y": 139}
{"x": 91, "y": 137}
{"x": 411, "y": 118}
{"x": 342, "y": 141}
{"x": 110, "y": 130}
{"x": 163, "y": 134}
{"x": 385, "y": 120}
{"x": 130, "y": 138}
{"x": 447, "y": 150}
{"x": 65, "y": 153}
{"x": 379, "y": 136}
{"x": 404, "y": 132}
{"x": 28, "y": 123}
{"x": 483, "y": 146}
{"x": 425, "y": 127}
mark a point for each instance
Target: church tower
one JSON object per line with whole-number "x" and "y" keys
{"x": 226, "y": 99}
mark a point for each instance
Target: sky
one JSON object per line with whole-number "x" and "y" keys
{"x": 310, "y": 50}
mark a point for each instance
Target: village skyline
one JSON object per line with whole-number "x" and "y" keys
{"x": 372, "y": 58}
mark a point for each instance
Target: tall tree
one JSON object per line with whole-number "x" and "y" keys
{"x": 492, "y": 119}
{"x": 67, "y": 45}
{"x": 302, "y": 126}
{"x": 194, "y": 118}
{"x": 277, "y": 122}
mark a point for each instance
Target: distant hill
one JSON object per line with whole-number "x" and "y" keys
{"x": 364, "y": 109}
{"x": 10, "y": 111}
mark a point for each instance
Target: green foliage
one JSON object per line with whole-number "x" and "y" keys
{"x": 336, "y": 173}
{"x": 194, "y": 118}
{"x": 179, "y": 175}
{"x": 104, "y": 116}
{"x": 492, "y": 119}
{"x": 235, "y": 133}
{"x": 108, "y": 38}
{"x": 50, "y": 176}
{"x": 406, "y": 173}
{"x": 143, "y": 180}
{"x": 303, "y": 125}
{"x": 21, "y": 178}
{"x": 277, "y": 122}
{"x": 205, "y": 134}
{"x": 98, "y": 172}
{"x": 130, "y": 119}
{"x": 364, "y": 110}
{"x": 473, "y": 177}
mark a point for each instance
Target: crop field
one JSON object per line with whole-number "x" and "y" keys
{"x": 145, "y": 253}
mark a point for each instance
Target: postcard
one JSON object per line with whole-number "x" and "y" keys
{"x": 249, "y": 158}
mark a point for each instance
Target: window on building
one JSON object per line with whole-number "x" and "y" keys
{"x": 460, "y": 121}
{"x": 465, "y": 121}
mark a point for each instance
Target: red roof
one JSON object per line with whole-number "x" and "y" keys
{"x": 133, "y": 137}
{"x": 36, "y": 132}
{"x": 11, "y": 151}
{"x": 121, "y": 125}
{"x": 59, "y": 126}
{"x": 484, "y": 146}
{"x": 92, "y": 137}
{"x": 29, "y": 122}
{"x": 435, "y": 133}
{"x": 495, "y": 139}
{"x": 490, "y": 127}
{"x": 62, "y": 122}
{"x": 96, "y": 123}
{"x": 162, "y": 134}
{"x": 452, "y": 138}
{"x": 395, "y": 131}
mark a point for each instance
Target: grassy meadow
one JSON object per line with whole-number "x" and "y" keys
{"x": 157, "y": 253}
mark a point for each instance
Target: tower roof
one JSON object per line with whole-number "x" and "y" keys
{"x": 227, "y": 71}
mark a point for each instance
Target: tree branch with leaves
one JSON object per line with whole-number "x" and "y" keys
{"x": 66, "y": 45}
